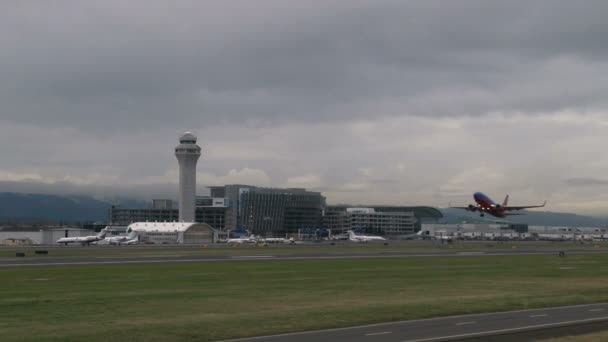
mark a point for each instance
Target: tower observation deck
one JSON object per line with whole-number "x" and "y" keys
{"x": 187, "y": 154}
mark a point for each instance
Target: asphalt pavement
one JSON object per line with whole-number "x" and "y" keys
{"x": 66, "y": 261}
{"x": 482, "y": 327}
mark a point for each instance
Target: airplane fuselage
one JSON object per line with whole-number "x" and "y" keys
{"x": 486, "y": 205}
{"x": 81, "y": 240}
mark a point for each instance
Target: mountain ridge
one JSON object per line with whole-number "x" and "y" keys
{"x": 28, "y": 207}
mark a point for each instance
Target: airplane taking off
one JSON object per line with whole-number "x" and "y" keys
{"x": 363, "y": 238}
{"x": 84, "y": 239}
{"x": 485, "y": 205}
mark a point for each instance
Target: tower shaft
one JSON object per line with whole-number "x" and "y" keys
{"x": 187, "y": 154}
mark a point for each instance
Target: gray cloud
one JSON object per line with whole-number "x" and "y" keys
{"x": 204, "y": 62}
{"x": 417, "y": 101}
{"x": 582, "y": 181}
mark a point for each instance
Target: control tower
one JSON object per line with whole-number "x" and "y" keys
{"x": 187, "y": 153}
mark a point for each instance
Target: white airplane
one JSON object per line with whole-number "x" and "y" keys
{"x": 84, "y": 239}
{"x": 363, "y": 238}
{"x": 421, "y": 235}
{"x": 250, "y": 239}
{"x": 130, "y": 239}
{"x": 277, "y": 240}
{"x": 426, "y": 235}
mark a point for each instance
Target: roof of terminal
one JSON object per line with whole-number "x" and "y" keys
{"x": 161, "y": 226}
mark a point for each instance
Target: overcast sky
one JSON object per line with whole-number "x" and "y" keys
{"x": 384, "y": 102}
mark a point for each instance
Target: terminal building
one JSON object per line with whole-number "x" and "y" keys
{"x": 267, "y": 212}
{"x": 270, "y": 212}
{"x": 280, "y": 212}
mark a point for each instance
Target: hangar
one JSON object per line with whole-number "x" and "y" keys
{"x": 174, "y": 232}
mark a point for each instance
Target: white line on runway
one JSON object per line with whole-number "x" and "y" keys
{"x": 465, "y": 323}
{"x": 379, "y": 333}
{"x": 494, "y": 332}
{"x": 252, "y": 256}
{"x": 594, "y": 310}
{"x": 541, "y": 315}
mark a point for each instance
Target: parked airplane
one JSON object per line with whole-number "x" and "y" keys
{"x": 130, "y": 239}
{"x": 277, "y": 240}
{"x": 250, "y": 239}
{"x": 84, "y": 239}
{"x": 420, "y": 235}
{"x": 363, "y": 238}
{"x": 442, "y": 236}
{"x": 485, "y": 205}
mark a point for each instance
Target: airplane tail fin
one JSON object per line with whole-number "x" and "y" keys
{"x": 506, "y": 201}
{"x": 102, "y": 233}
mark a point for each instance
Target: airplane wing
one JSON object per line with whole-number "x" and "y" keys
{"x": 525, "y": 207}
{"x": 468, "y": 208}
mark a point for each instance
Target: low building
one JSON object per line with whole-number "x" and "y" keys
{"x": 44, "y": 236}
{"x": 337, "y": 218}
{"x": 208, "y": 210}
{"x": 174, "y": 232}
{"x": 370, "y": 221}
{"x": 17, "y": 242}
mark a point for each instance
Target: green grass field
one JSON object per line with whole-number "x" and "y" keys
{"x": 202, "y": 302}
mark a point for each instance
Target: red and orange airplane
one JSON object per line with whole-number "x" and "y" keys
{"x": 485, "y": 205}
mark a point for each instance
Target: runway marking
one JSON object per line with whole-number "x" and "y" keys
{"x": 499, "y": 331}
{"x": 465, "y": 323}
{"x": 541, "y": 315}
{"x": 379, "y": 333}
{"x": 252, "y": 256}
{"x": 471, "y": 253}
{"x": 594, "y": 310}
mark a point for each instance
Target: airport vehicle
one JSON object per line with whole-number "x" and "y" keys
{"x": 363, "y": 238}
{"x": 84, "y": 239}
{"x": 250, "y": 239}
{"x": 130, "y": 239}
{"x": 484, "y": 205}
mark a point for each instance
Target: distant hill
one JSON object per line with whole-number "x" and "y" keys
{"x": 537, "y": 218}
{"x": 39, "y": 207}
{"x": 18, "y": 207}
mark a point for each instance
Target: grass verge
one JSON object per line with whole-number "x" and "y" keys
{"x": 204, "y": 302}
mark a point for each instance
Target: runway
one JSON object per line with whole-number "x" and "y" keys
{"x": 482, "y": 327}
{"x": 67, "y": 261}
